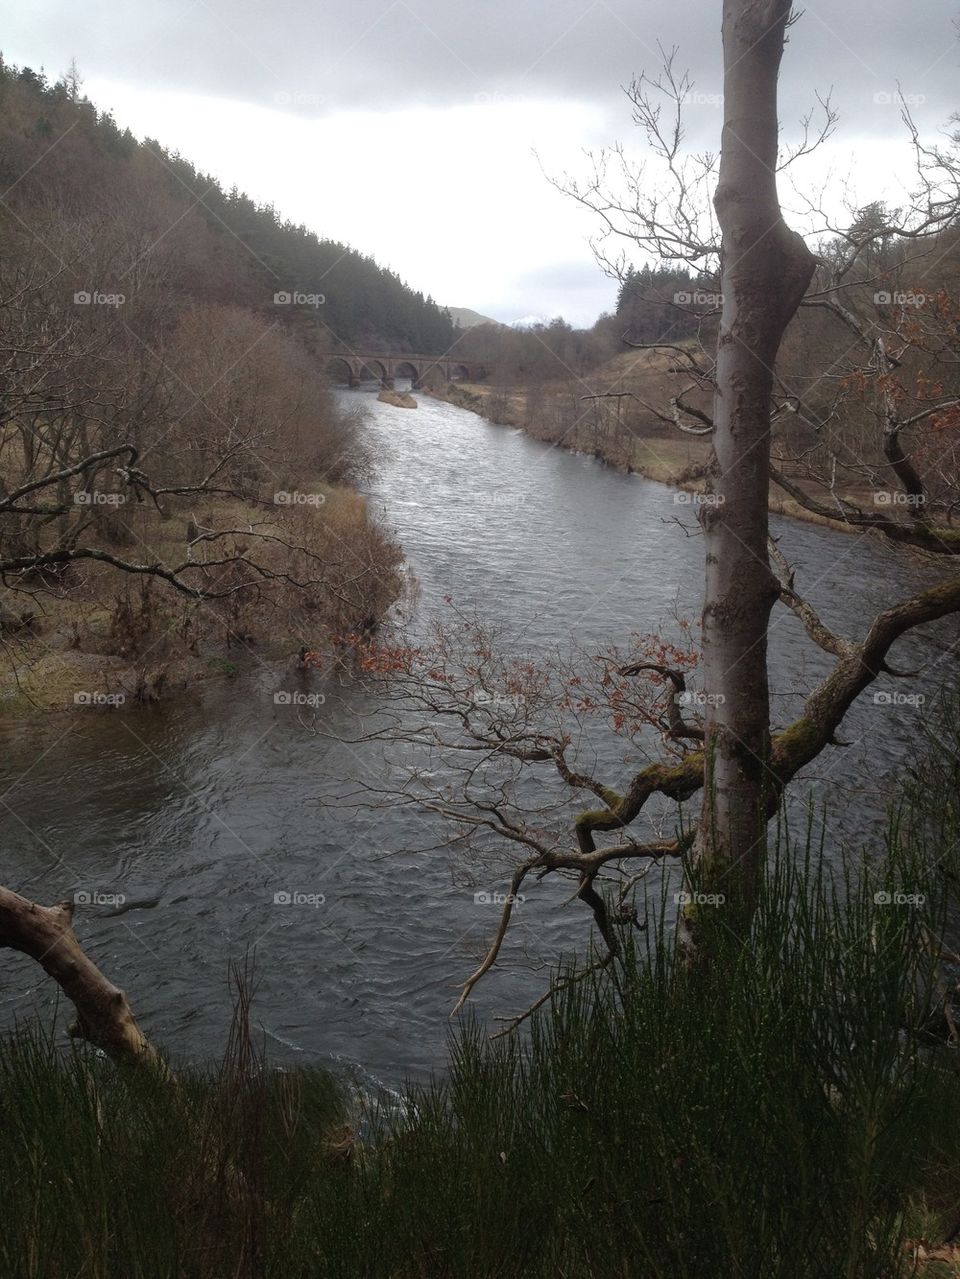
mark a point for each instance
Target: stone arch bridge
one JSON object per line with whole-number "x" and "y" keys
{"x": 356, "y": 367}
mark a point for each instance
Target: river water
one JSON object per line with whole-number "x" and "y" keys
{"x": 212, "y": 804}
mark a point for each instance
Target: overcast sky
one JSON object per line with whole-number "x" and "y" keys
{"x": 409, "y": 129}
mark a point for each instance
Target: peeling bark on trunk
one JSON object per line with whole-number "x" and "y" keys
{"x": 104, "y": 1016}
{"x": 765, "y": 271}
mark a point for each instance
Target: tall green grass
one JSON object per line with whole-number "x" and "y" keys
{"x": 793, "y": 1113}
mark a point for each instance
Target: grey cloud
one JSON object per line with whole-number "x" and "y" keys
{"x": 566, "y": 276}
{"x": 380, "y": 54}
{"x": 576, "y": 289}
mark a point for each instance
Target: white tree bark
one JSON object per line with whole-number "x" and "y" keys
{"x": 765, "y": 271}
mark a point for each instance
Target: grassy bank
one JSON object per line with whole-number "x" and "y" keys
{"x": 797, "y": 1115}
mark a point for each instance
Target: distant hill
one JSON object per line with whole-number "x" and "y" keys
{"x": 468, "y": 319}
{"x": 530, "y": 322}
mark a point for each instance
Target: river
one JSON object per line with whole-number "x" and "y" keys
{"x": 212, "y": 803}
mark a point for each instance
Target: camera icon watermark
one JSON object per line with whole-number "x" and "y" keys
{"x": 884, "y": 297}
{"x": 697, "y": 697}
{"x": 498, "y": 98}
{"x": 895, "y": 497}
{"x": 285, "y": 498}
{"x": 889, "y": 98}
{"x": 685, "y": 898}
{"x": 94, "y": 297}
{"x": 284, "y": 297}
{"x": 93, "y": 897}
{"x": 695, "y": 98}
{"x": 683, "y": 497}
{"x": 697, "y": 297}
{"x": 288, "y": 98}
{"x": 508, "y": 702}
{"x": 884, "y": 698}
{"x": 883, "y": 898}
{"x": 95, "y": 497}
{"x": 485, "y": 898}
{"x": 506, "y": 501}
{"x": 298, "y": 698}
{"x": 297, "y": 898}
{"x": 99, "y": 699}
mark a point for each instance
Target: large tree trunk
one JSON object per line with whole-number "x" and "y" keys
{"x": 765, "y": 271}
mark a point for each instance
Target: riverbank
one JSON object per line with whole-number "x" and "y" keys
{"x": 658, "y": 1122}
{"x": 100, "y": 638}
{"x": 589, "y": 421}
{"x": 213, "y": 801}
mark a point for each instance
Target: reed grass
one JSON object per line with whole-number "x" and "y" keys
{"x": 794, "y": 1112}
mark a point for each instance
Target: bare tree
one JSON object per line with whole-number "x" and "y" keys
{"x": 765, "y": 270}
{"x": 106, "y": 412}
{"x": 495, "y": 720}
{"x": 764, "y": 273}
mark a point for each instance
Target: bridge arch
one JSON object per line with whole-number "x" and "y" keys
{"x": 458, "y": 373}
{"x": 341, "y": 368}
{"x": 408, "y": 370}
{"x": 432, "y": 371}
{"x": 373, "y": 369}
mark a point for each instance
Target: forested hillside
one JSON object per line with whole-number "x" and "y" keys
{"x": 176, "y": 478}
{"x": 60, "y": 157}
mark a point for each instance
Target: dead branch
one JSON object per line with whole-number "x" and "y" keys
{"x": 104, "y": 1016}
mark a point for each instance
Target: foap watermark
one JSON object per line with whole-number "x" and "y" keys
{"x": 886, "y": 297}
{"x": 285, "y": 498}
{"x": 485, "y": 898}
{"x": 498, "y": 98}
{"x": 295, "y": 897}
{"x": 697, "y": 697}
{"x": 95, "y": 297}
{"x": 696, "y": 98}
{"x": 94, "y": 897}
{"x": 883, "y": 698}
{"x": 685, "y": 898}
{"x": 298, "y": 698}
{"x": 685, "y": 498}
{"x": 294, "y": 297}
{"x": 504, "y": 501}
{"x": 99, "y": 699}
{"x": 883, "y": 898}
{"x": 299, "y": 98}
{"x": 698, "y": 297}
{"x": 890, "y": 98}
{"x": 96, "y": 497}
{"x": 497, "y": 701}
{"x": 895, "y": 497}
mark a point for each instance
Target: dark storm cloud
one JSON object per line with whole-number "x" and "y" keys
{"x": 305, "y": 56}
